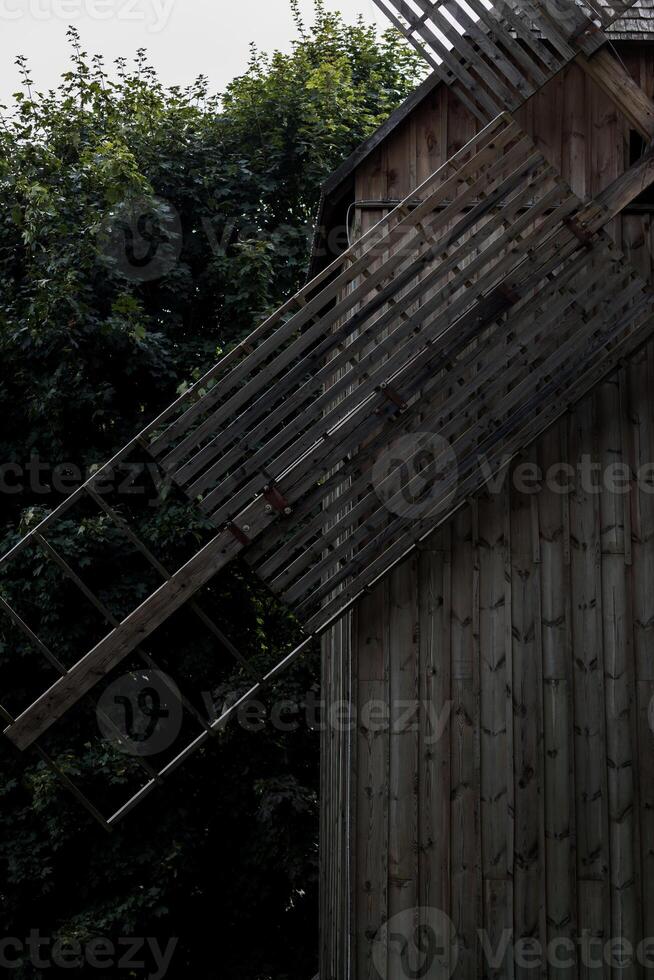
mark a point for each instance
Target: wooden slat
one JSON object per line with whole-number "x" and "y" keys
{"x": 373, "y": 744}
{"x": 389, "y": 356}
{"x": 618, "y": 84}
{"x": 554, "y": 626}
{"x": 466, "y": 790}
{"x": 559, "y": 356}
{"x": 524, "y": 655}
{"x": 435, "y": 782}
{"x": 367, "y": 324}
{"x": 478, "y": 56}
{"x": 599, "y": 353}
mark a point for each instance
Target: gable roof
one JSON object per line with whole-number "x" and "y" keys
{"x": 637, "y": 25}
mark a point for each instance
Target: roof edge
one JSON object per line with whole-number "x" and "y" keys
{"x": 364, "y": 149}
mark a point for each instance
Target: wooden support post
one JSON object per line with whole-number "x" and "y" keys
{"x": 614, "y": 79}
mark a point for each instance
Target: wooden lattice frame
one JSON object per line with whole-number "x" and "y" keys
{"x": 498, "y": 253}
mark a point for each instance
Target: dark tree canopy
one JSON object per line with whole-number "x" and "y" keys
{"x": 226, "y": 860}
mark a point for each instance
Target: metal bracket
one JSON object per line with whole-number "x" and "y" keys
{"x": 238, "y": 533}
{"x": 580, "y": 232}
{"x": 393, "y": 396}
{"x": 276, "y": 499}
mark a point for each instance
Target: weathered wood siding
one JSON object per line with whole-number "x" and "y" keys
{"x": 525, "y": 629}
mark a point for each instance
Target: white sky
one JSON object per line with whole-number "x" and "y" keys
{"x": 184, "y": 38}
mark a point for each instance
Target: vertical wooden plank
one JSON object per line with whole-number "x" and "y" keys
{"x": 620, "y": 756}
{"x": 543, "y": 119}
{"x": 558, "y": 709}
{"x": 328, "y": 923}
{"x": 465, "y": 814}
{"x": 619, "y": 678}
{"x": 435, "y": 597}
{"x": 404, "y": 694}
{"x": 401, "y": 151}
{"x": 607, "y": 153}
{"x": 640, "y": 375}
{"x": 336, "y": 769}
{"x": 609, "y": 433}
{"x": 371, "y": 645}
{"x": 575, "y": 143}
{"x": 646, "y": 739}
{"x": 431, "y": 134}
{"x": 527, "y": 721}
{"x": 496, "y": 690}
{"x": 461, "y": 125}
{"x": 591, "y": 802}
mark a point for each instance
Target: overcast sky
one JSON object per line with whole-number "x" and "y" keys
{"x": 184, "y": 37}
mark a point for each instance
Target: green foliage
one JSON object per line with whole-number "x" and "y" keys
{"x": 227, "y": 859}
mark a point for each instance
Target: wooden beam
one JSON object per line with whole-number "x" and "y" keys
{"x": 614, "y": 79}
{"x": 619, "y": 195}
{"x": 122, "y": 640}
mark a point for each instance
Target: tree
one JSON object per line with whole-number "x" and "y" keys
{"x": 92, "y": 350}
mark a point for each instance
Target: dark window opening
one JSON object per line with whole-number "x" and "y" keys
{"x": 637, "y": 147}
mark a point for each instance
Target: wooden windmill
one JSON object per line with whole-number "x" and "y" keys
{"x": 344, "y": 451}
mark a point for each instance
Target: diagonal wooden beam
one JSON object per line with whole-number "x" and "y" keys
{"x": 616, "y": 82}
{"x": 618, "y": 195}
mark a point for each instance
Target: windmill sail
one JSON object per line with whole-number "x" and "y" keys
{"x": 479, "y": 309}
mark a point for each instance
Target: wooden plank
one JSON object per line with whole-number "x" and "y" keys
{"x": 554, "y": 586}
{"x": 591, "y": 771}
{"x": 371, "y": 645}
{"x": 575, "y": 138}
{"x": 524, "y": 642}
{"x": 607, "y": 72}
{"x": 336, "y": 803}
{"x": 622, "y": 799}
{"x": 641, "y": 374}
{"x": 646, "y": 781}
{"x": 402, "y": 614}
{"x": 593, "y": 930}
{"x": 466, "y": 804}
{"x": 496, "y": 686}
{"x": 621, "y": 725}
{"x": 435, "y": 783}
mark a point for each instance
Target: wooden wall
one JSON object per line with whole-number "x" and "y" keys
{"x": 528, "y": 625}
